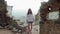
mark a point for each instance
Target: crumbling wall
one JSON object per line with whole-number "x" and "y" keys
{"x": 49, "y": 26}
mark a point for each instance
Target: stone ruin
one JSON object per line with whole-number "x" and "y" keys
{"x": 3, "y": 14}
{"x": 5, "y": 20}
{"x": 50, "y": 24}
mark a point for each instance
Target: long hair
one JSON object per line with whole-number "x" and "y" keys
{"x": 29, "y": 11}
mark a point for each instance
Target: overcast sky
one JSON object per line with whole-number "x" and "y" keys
{"x": 20, "y": 7}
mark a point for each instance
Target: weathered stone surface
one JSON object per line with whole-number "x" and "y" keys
{"x": 49, "y": 26}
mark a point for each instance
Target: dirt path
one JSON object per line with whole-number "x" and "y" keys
{"x": 4, "y": 31}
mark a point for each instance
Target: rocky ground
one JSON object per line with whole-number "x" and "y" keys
{"x": 35, "y": 29}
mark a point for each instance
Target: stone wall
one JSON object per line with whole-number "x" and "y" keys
{"x": 49, "y": 26}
